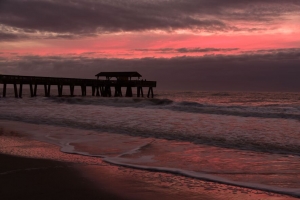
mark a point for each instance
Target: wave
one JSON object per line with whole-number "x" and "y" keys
{"x": 271, "y": 111}
{"x": 98, "y": 114}
{"x": 263, "y": 111}
{"x": 207, "y": 177}
{"x": 239, "y": 142}
{"x": 221, "y": 94}
{"x": 117, "y": 102}
{"x": 117, "y": 160}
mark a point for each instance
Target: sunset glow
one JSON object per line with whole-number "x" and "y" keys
{"x": 136, "y": 45}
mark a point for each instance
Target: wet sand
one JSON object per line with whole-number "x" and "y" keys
{"x": 31, "y": 169}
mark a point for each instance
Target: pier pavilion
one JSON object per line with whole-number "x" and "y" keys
{"x": 100, "y": 87}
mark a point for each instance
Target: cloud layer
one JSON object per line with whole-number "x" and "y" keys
{"x": 188, "y": 50}
{"x": 56, "y": 18}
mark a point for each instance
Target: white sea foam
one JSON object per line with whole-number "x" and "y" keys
{"x": 207, "y": 177}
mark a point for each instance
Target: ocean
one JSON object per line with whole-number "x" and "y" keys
{"x": 248, "y": 139}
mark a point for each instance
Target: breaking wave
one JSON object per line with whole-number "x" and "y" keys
{"x": 263, "y": 111}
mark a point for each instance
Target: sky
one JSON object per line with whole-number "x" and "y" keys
{"x": 219, "y": 45}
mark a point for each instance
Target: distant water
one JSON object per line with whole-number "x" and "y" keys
{"x": 239, "y": 138}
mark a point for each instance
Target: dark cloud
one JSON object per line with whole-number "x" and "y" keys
{"x": 204, "y": 50}
{"x": 85, "y": 17}
{"x": 10, "y": 36}
{"x": 188, "y": 50}
{"x": 274, "y": 71}
{"x": 157, "y": 50}
{"x": 274, "y": 51}
{"x": 89, "y": 17}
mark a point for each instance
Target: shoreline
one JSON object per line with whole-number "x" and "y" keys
{"x": 92, "y": 176}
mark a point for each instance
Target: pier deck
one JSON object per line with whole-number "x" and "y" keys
{"x": 99, "y": 87}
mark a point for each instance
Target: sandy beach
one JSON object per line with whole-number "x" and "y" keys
{"x": 35, "y": 170}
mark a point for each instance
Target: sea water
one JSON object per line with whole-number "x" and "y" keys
{"x": 248, "y": 139}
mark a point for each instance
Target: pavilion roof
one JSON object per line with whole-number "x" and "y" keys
{"x": 119, "y": 74}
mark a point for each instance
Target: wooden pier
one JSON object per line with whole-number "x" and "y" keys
{"x": 99, "y": 87}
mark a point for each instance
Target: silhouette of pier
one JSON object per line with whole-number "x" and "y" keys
{"x": 116, "y": 80}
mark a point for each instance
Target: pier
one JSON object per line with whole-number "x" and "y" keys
{"x": 99, "y": 87}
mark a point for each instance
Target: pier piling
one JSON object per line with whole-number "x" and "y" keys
{"x": 60, "y": 89}
{"x": 20, "y": 90}
{"x": 47, "y": 88}
{"x": 118, "y": 91}
{"x": 31, "y": 90}
{"x": 83, "y": 90}
{"x": 4, "y": 90}
{"x": 140, "y": 92}
{"x": 72, "y": 90}
{"x": 93, "y": 90}
{"x": 16, "y": 90}
{"x": 97, "y": 91}
{"x": 150, "y": 92}
{"x": 128, "y": 92}
{"x": 35, "y": 89}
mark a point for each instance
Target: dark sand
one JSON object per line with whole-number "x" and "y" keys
{"x": 31, "y": 169}
{"x": 28, "y": 178}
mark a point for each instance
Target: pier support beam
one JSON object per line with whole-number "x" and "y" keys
{"x": 128, "y": 92}
{"x": 60, "y": 89}
{"x": 16, "y": 90}
{"x": 97, "y": 91}
{"x": 4, "y": 90}
{"x": 118, "y": 91}
{"x": 83, "y": 90}
{"x": 150, "y": 92}
{"x": 101, "y": 88}
{"x": 72, "y": 90}
{"x": 93, "y": 90}
{"x": 47, "y": 90}
{"x": 20, "y": 90}
{"x": 140, "y": 91}
{"x": 107, "y": 91}
{"x": 33, "y": 90}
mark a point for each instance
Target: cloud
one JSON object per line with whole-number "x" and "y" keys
{"x": 204, "y": 50}
{"x": 9, "y": 36}
{"x": 188, "y": 50}
{"x": 84, "y": 17}
{"x": 276, "y": 70}
{"x": 90, "y": 17}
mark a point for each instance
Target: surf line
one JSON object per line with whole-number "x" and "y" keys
{"x": 206, "y": 177}
{"x": 191, "y": 174}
